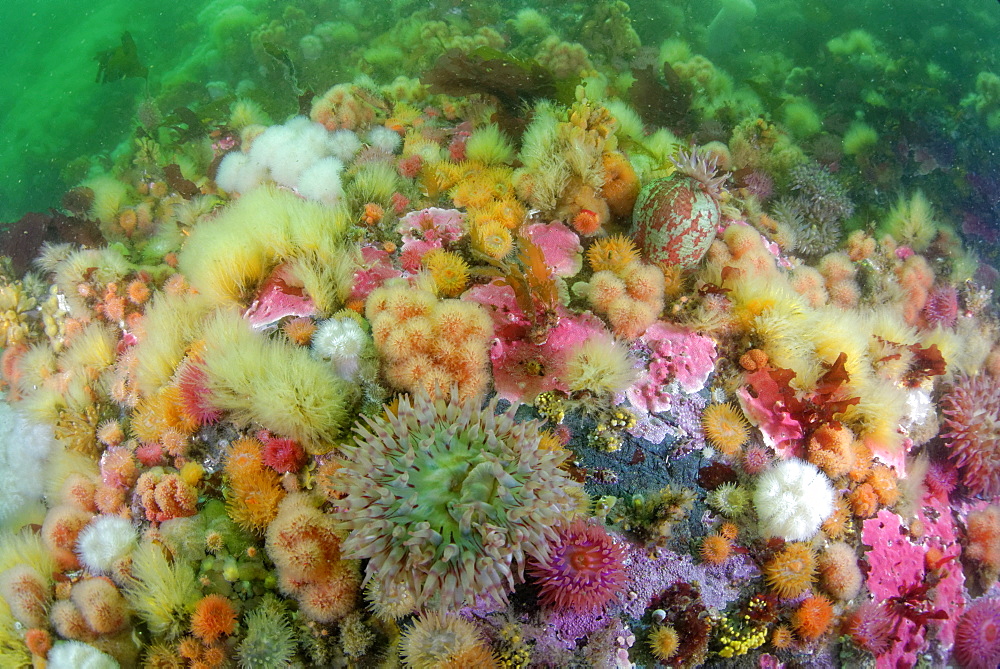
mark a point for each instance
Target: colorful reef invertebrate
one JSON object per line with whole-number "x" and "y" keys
{"x": 307, "y": 552}
{"x": 437, "y": 640}
{"x": 675, "y": 218}
{"x": 470, "y": 490}
{"x": 792, "y": 570}
{"x": 977, "y": 638}
{"x": 583, "y": 570}
{"x": 792, "y": 499}
{"x": 971, "y": 432}
{"x": 725, "y": 427}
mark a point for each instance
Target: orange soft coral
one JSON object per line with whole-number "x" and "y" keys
{"x": 165, "y": 496}
{"x": 621, "y": 184}
{"x": 214, "y": 616}
{"x": 831, "y": 449}
{"x": 255, "y": 490}
{"x": 428, "y": 344}
{"x": 305, "y": 549}
{"x": 983, "y": 534}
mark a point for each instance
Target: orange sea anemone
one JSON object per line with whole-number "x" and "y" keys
{"x": 791, "y": 571}
{"x": 621, "y": 184}
{"x": 613, "y": 254}
{"x": 214, "y": 616}
{"x": 725, "y": 427}
{"x": 715, "y": 549}
{"x": 813, "y": 617}
{"x": 586, "y": 222}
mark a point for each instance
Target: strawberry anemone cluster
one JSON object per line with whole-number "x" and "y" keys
{"x": 584, "y": 569}
{"x": 446, "y": 499}
{"x": 972, "y": 433}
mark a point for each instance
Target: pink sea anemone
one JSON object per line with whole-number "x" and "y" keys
{"x": 870, "y": 627}
{"x": 977, "y": 638}
{"x": 941, "y": 307}
{"x": 584, "y": 568}
{"x": 972, "y": 432}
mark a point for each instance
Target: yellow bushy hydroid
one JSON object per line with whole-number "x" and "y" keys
{"x": 171, "y": 323}
{"x": 488, "y": 145}
{"x": 226, "y": 258}
{"x": 911, "y": 222}
{"x": 273, "y": 383}
{"x": 161, "y": 592}
{"x": 601, "y": 366}
{"x": 90, "y": 352}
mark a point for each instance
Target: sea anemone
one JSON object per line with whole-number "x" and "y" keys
{"x": 283, "y": 455}
{"x": 439, "y": 640}
{"x": 870, "y": 627}
{"x": 447, "y": 498}
{"x": 449, "y": 271}
{"x": 972, "y": 432}
{"x": 792, "y": 499}
{"x": 269, "y": 640}
{"x": 663, "y": 642}
{"x": 703, "y": 168}
{"x": 583, "y": 571}
{"x": 941, "y": 307}
{"x": 75, "y": 654}
{"x": 730, "y": 499}
{"x": 813, "y": 617}
{"x": 725, "y": 427}
{"x": 756, "y": 459}
{"x": 105, "y": 541}
{"x": 612, "y": 254}
{"x": 791, "y": 571}
{"x": 715, "y": 549}
{"x": 977, "y": 637}
{"x": 838, "y": 571}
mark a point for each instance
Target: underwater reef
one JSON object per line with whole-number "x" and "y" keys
{"x": 480, "y": 336}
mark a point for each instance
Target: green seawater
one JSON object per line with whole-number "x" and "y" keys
{"x": 908, "y": 82}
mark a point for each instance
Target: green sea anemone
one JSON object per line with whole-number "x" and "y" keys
{"x": 447, "y": 499}
{"x": 270, "y": 640}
